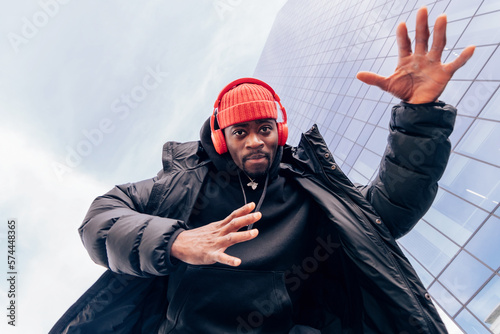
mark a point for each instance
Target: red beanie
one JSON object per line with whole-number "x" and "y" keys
{"x": 246, "y": 102}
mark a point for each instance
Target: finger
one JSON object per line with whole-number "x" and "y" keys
{"x": 237, "y": 237}
{"x": 403, "y": 40}
{"x": 422, "y": 32}
{"x": 374, "y": 79}
{"x": 461, "y": 59}
{"x": 439, "y": 39}
{"x": 227, "y": 259}
{"x": 245, "y": 209}
{"x": 239, "y": 222}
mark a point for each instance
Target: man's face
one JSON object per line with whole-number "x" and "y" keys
{"x": 253, "y": 145}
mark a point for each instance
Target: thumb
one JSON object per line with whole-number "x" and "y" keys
{"x": 371, "y": 78}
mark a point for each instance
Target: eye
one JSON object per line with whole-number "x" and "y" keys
{"x": 266, "y": 129}
{"x": 238, "y": 132}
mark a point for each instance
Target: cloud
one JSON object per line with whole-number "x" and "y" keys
{"x": 61, "y": 85}
{"x": 53, "y": 267}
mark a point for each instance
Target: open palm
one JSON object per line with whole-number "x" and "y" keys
{"x": 420, "y": 77}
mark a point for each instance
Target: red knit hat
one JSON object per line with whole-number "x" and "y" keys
{"x": 246, "y": 102}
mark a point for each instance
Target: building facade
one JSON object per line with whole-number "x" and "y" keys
{"x": 311, "y": 59}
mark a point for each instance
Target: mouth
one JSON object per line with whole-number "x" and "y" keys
{"x": 256, "y": 157}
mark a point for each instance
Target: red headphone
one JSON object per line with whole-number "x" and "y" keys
{"x": 218, "y": 138}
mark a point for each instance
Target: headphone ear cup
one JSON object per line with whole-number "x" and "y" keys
{"x": 219, "y": 141}
{"x": 282, "y": 133}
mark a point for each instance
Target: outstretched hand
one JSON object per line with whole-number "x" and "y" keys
{"x": 420, "y": 77}
{"x": 207, "y": 244}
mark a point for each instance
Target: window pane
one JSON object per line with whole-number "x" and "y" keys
{"x": 343, "y": 148}
{"x": 487, "y": 302}
{"x": 470, "y": 324}
{"x": 365, "y": 134}
{"x": 482, "y": 141}
{"x": 460, "y": 9}
{"x": 472, "y": 180}
{"x": 454, "y": 217}
{"x": 464, "y": 276}
{"x": 444, "y": 298}
{"x": 492, "y": 111}
{"x": 486, "y": 243}
{"x": 354, "y": 129}
{"x": 355, "y": 177}
{"x": 378, "y": 141}
{"x": 482, "y": 30}
{"x": 430, "y": 247}
{"x": 367, "y": 163}
{"x": 423, "y": 274}
{"x": 471, "y": 69}
{"x": 462, "y": 123}
{"x": 476, "y": 97}
{"x": 491, "y": 70}
{"x": 454, "y": 91}
{"x": 489, "y": 6}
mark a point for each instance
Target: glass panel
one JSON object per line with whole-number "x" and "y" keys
{"x": 378, "y": 141}
{"x": 337, "y": 120}
{"x": 444, "y": 298}
{"x": 355, "y": 177}
{"x": 483, "y": 29}
{"x": 353, "y": 154}
{"x": 453, "y": 32}
{"x": 461, "y": 9}
{"x": 343, "y": 148}
{"x": 486, "y": 243}
{"x": 365, "y": 134}
{"x": 486, "y": 305}
{"x": 492, "y": 111}
{"x": 430, "y": 247}
{"x": 489, "y": 6}
{"x": 482, "y": 141}
{"x": 423, "y": 274}
{"x": 365, "y": 109}
{"x": 470, "y": 324}
{"x": 454, "y": 217}
{"x": 464, "y": 276}
{"x": 377, "y": 113}
{"x": 367, "y": 163}
{"x": 450, "y": 324}
{"x": 462, "y": 123}
{"x": 354, "y": 129}
{"x": 476, "y": 182}
{"x": 344, "y": 125}
{"x": 384, "y": 120}
{"x": 476, "y": 97}
{"x": 471, "y": 69}
{"x": 454, "y": 91}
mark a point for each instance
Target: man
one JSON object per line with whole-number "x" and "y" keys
{"x": 240, "y": 233}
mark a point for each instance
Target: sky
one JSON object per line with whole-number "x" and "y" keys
{"x": 89, "y": 92}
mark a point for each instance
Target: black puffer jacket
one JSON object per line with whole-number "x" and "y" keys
{"x": 366, "y": 286}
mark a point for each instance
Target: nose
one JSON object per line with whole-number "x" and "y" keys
{"x": 254, "y": 140}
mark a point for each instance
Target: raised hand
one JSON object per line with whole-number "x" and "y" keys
{"x": 420, "y": 77}
{"x": 207, "y": 244}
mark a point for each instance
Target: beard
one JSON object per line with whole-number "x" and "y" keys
{"x": 261, "y": 172}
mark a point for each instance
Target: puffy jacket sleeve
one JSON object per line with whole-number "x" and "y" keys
{"x": 120, "y": 236}
{"x": 414, "y": 160}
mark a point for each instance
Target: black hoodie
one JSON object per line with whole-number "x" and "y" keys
{"x": 260, "y": 294}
